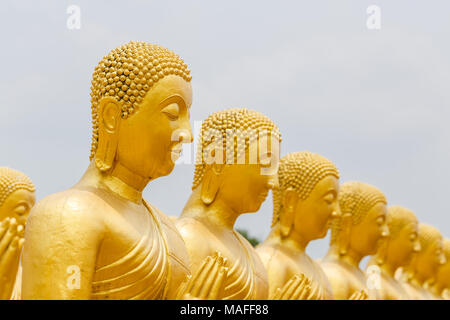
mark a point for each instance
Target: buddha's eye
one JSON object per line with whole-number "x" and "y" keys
{"x": 329, "y": 198}
{"x": 413, "y": 236}
{"x": 172, "y": 111}
{"x": 22, "y": 209}
{"x": 380, "y": 220}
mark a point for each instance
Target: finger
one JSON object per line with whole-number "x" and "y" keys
{"x": 299, "y": 290}
{"x": 10, "y": 261}
{"x": 291, "y": 288}
{"x": 216, "y": 274}
{"x": 313, "y": 295}
{"x": 209, "y": 279}
{"x": 8, "y": 237}
{"x": 306, "y": 292}
{"x": 277, "y": 295}
{"x": 4, "y": 225}
{"x": 285, "y": 288}
{"x": 21, "y": 230}
{"x": 194, "y": 278}
{"x": 219, "y": 284}
{"x": 202, "y": 277}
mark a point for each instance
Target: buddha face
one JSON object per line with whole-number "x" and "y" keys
{"x": 244, "y": 187}
{"x": 17, "y": 205}
{"x": 405, "y": 243}
{"x": 151, "y": 140}
{"x": 429, "y": 259}
{"x": 366, "y": 235}
{"x": 312, "y": 215}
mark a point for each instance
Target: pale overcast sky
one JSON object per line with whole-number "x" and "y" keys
{"x": 376, "y": 102}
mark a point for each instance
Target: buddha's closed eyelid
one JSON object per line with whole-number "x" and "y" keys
{"x": 172, "y": 111}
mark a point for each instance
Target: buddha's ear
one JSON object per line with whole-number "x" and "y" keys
{"x": 108, "y": 133}
{"x": 345, "y": 233}
{"x": 211, "y": 183}
{"x": 289, "y": 201}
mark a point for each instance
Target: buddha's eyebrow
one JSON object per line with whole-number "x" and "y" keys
{"x": 174, "y": 97}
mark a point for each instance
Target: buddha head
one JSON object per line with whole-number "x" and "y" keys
{"x": 362, "y": 222}
{"x": 141, "y": 95}
{"x": 431, "y": 255}
{"x": 16, "y": 195}
{"x": 237, "y": 159}
{"x": 443, "y": 274}
{"x": 403, "y": 238}
{"x": 307, "y": 195}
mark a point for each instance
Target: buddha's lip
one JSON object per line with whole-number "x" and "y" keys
{"x": 177, "y": 149}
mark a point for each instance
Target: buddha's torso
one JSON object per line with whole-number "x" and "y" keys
{"x": 344, "y": 278}
{"x": 391, "y": 289}
{"x": 282, "y": 263}
{"x": 140, "y": 254}
{"x": 416, "y": 292}
{"x": 247, "y": 278}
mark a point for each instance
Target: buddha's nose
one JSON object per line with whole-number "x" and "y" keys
{"x": 385, "y": 231}
{"x": 442, "y": 259}
{"x": 183, "y": 135}
{"x": 417, "y": 247}
{"x": 273, "y": 182}
{"x": 336, "y": 212}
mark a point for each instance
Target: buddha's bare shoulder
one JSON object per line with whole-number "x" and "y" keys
{"x": 199, "y": 240}
{"x": 338, "y": 277}
{"x": 72, "y": 207}
{"x": 270, "y": 254}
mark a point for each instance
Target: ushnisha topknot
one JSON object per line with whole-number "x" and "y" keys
{"x": 12, "y": 180}
{"x": 127, "y": 73}
{"x": 428, "y": 235}
{"x": 356, "y": 199}
{"x": 300, "y": 171}
{"x": 398, "y": 217}
{"x": 246, "y": 124}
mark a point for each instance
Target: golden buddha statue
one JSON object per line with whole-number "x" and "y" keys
{"x": 441, "y": 287}
{"x": 423, "y": 267}
{"x": 396, "y": 251}
{"x": 354, "y": 235}
{"x": 16, "y": 199}
{"x": 224, "y": 189}
{"x": 100, "y": 239}
{"x": 303, "y": 204}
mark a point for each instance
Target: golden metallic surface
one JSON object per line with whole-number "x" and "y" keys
{"x": 17, "y": 197}
{"x": 354, "y": 235}
{"x": 395, "y": 251}
{"x": 304, "y": 202}
{"x": 441, "y": 287}
{"x": 420, "y": 274}
{"x": 100, "y": 239}
{"x": 222, "y": 191}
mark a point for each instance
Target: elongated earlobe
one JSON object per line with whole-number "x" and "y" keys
{"x": 289, "y": 202}
{"x": 108, "y": 133}
{"x": 382, "y": 252}
{"x": 344, "y": 234}
{"x": 210, "y": 185}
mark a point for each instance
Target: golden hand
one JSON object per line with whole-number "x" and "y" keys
{"x": 209, "y": 281}
{"x": 11, "y": 242}
{"x": 297, "y": 288}
{"x": 359, "y": 295}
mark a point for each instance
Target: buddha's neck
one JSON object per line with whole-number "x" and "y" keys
{"x": 217, "y": 213}
{"x": 295, "y": 241}
{"x": 351, "y": 256}
{"x": 390, "y": 263}
{"x": 120, "y": 181}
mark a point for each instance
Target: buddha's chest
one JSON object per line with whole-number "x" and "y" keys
{"x": 247, "y": 278}
{"x": 321, "y": 288}
{"x": 132, "y": 260}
